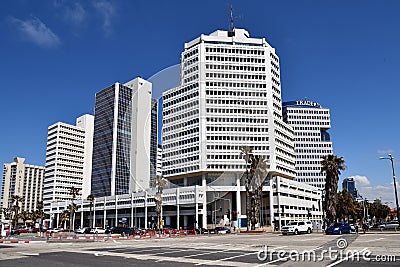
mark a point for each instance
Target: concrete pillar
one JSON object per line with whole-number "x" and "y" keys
{"x": 132, "y": 218}
{"x": 196, "y": 205}
{"x": 145, "y": 210}
{"x": 203, "y": 180}
{"x": 185, "y": 181}
{"x": 278, "y": 185}
{"x": 271, "y": 202}
{"x": 204, "y": 188}
{"x": 116, "y": 211}
{"x": 94, "y": 214}
{"x": 238, "y": 200}
{"x": 104, "y": 213}
{"x": 177, "y": 208}
{"x": 58, "y": 217}
{"x": 82, "y": 214}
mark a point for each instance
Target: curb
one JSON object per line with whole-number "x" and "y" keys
{"x": 14, "y": 241}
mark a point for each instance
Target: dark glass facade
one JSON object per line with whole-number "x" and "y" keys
{"x": 104, "y": 132}
{"x": 153, "y": 141}
{"x": 350, "y": 185}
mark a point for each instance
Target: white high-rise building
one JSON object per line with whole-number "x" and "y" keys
{"x": 68, "y": 160}
{"x": 310, "y": 123}
{"x": 229, "y": 96}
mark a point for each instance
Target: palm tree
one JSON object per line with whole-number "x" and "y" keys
{"x": 16, "y": 199}
{"x": 254, "y": 180}
{"x": 91, "y": 199}
{"x": 74, "y": 192}
{"x": 39, "y": 213}
{"x": 247, "y": 154}
{"x": 346, "y": 206}
{"x": 65, "y": 216}
{"x": 331, "y": 166}
{"x": 24, "y": 215}
{"x": 160, "y": 184}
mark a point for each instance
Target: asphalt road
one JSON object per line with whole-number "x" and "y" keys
{"x": 372, "y": 249}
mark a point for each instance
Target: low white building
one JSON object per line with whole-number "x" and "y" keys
{"x": 208, "y": 205}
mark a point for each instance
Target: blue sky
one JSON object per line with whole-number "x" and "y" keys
{"x": 55, "y": 55}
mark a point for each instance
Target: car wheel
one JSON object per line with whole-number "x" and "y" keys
{"x": 296, "y": 232}
{"x": 308, "y": 231}
{"x": 284, "y": 233}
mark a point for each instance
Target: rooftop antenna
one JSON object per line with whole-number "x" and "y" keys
{"x": 231, "y": 19}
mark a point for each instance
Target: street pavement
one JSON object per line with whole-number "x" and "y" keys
{"x": 316, "y": 249}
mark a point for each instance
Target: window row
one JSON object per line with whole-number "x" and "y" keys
{"x": 235, "y": 50}
{"x": 234, "y": 67}
{"x": 235, "y": 59}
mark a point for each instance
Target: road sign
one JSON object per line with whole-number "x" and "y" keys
{"x": 124, "y": 220}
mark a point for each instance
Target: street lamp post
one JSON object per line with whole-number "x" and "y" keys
{"x": 394, "y": 184}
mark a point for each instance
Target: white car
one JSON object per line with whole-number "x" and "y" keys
{"x": 97, "y": 230}
{"x": 297, "y": 228}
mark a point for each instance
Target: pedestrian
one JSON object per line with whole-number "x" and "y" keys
{"x": 364, "y": 227}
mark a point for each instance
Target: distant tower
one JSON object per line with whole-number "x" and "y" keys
{"x": 350, "y": 185}
{"x": 122, "y": 134}
{"x": 310, "y": 123}
{"x": 23, "y": 180}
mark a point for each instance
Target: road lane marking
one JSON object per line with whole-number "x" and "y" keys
{"x": 344, "y": 259}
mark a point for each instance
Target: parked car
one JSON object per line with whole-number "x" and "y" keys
{"x": 97, "y": 230}
{"x": 84, "y": 230}
{"x": 121, "y": 230}
{"x": 338, "y": 228}
{"x": 222, "y": 230}
{"x": 377, "y": 225}
{"x": 202, "y": 231}
{"x": 139, "y": 231}
{"x": 54, "y": 230}
{"x": 392, "y": 224}
{"x": 297, "y": 227}
{"x": 24, "y": 230}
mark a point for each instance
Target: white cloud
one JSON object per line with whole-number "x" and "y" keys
{"x": 361, "y": 180}
{"x": 384, "y": 192}
{"x": 34, "y": 30}
{"x": 107, "y": 12}
{"x": 75, "y": 13}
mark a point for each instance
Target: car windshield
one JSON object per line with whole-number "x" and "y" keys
{"x": 337, "y": 224}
